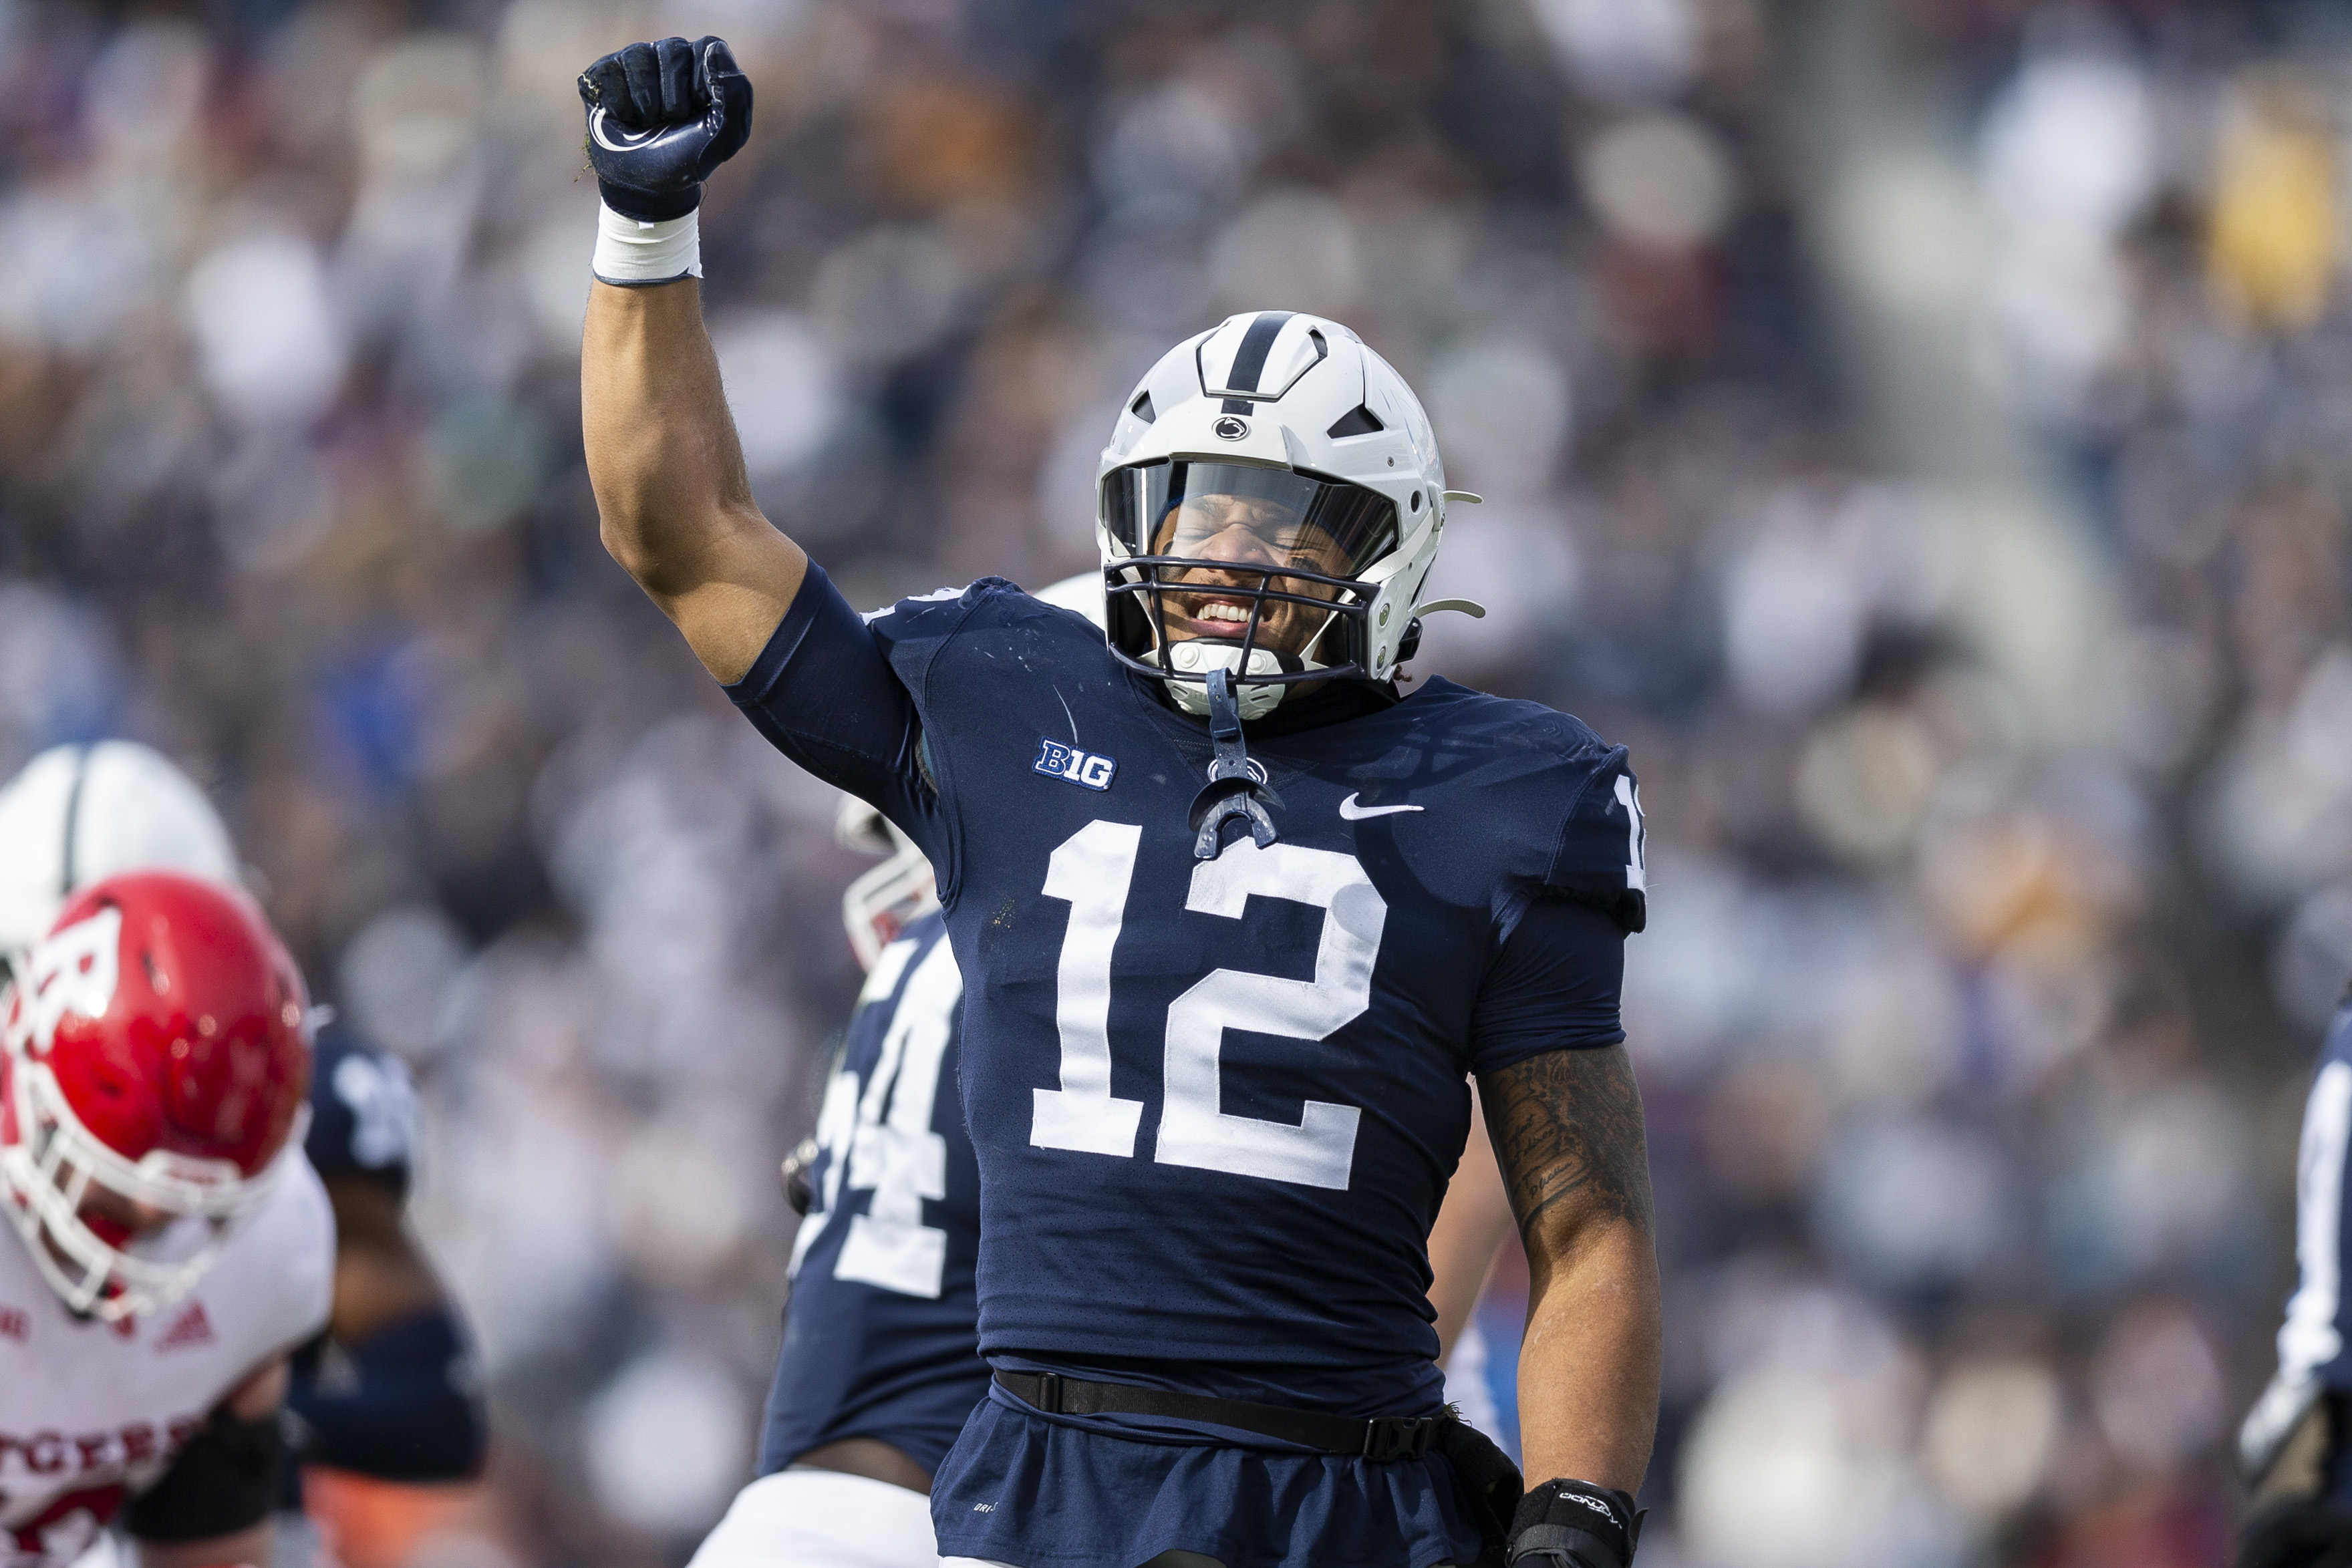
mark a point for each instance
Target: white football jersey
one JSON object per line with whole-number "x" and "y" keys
{"x": 92, "y": 1413}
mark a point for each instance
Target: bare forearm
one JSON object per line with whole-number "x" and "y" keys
{"x": 1589, "y": 1367}
{"x": 674, "y": 501}
{"x": 1567, "y": 1129}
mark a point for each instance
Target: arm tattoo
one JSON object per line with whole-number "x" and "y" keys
{"x": 1567, "y": 1126}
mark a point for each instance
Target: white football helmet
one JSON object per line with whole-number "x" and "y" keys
{"x": 79, "y": 814}
{"x": 1282, "y": 430}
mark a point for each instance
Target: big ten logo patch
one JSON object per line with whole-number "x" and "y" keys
{"x": 1091, "y": 769}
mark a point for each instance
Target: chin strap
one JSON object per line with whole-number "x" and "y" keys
{"x": 1233, "y": 789}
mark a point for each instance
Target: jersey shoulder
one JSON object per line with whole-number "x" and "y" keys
{"x": 998, "y": 628}
{"x": 1547, "y": 776}
{"x": 1513, "y": 725}
{"x": 945, "y": 612}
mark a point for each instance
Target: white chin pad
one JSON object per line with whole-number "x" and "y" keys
{"x": 1199, "y": 656}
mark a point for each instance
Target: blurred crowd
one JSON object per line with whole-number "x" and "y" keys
{"x": 1922, "y": 431}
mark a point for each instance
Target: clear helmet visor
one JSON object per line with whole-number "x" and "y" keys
{"x": 1266, "y": 559}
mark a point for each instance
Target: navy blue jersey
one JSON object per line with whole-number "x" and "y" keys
{"x": 402, "y": 1405}
{"x": 1215, "y": 1105}
{"x": 879, "y": 1339}
{"x": 406, "y": 1403}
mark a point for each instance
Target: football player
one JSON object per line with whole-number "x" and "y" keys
{"x": 387, "y": 1402}
{"x": 1234, "y": 918}
{"x": 385, "y": 1409}
{"x": 880, "y": 1364}
{"x": 170, "y": 1244}
{"x": 2295, "y": 1448}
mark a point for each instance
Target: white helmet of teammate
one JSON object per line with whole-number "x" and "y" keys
{"x": 1270, "y": 504}
{"x": 79, "y": 814}
{"x": 884, "y": 902}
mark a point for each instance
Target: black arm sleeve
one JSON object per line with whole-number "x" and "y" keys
{"x": 223, "y": 1481}
{"x": 1554, "y": 986}
{"x": 823, "y": 694}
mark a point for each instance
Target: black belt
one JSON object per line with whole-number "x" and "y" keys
{"x": 1383, "y": 1438}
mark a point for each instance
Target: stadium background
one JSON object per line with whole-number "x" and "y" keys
{"x": 1920, "y": 429}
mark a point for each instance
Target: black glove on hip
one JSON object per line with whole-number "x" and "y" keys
{"x": 661, "y": 117}
{"x": 1571, "y": 1524}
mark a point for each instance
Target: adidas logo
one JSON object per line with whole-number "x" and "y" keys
{"x": 190, "y": 1329}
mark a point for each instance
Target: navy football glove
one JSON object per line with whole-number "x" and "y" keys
{"x": 1570, "y": 1524}
{"x": 661, "y": 117}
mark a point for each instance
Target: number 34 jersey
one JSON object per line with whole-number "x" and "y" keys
{"x": 1215, "y": 1104}
{"x": 878, "y": 1339}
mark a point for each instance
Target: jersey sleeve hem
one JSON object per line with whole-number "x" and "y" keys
{"x": 1555, "y": 985}
{"x": 1511, "y": 1056}
{"x": 837, "y": 694}
{"x": 758, "y": 682}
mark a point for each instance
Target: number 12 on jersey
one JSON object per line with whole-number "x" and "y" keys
{"x": 1093, "y": 872}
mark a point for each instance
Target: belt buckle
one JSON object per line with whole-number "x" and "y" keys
{"x": 1388, "y": 1438}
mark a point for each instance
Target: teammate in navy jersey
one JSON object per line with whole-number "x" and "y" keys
{"x": 1224, "y": 978}
{"x": 387, "y": 1402}
{"x": 880, "y": 1364}
{"x": 2296, "y": 1445}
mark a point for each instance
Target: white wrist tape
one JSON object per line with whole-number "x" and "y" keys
{"x": 630, "y": 251}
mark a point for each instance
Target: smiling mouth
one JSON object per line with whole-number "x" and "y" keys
{"x": 1213, "y": 616}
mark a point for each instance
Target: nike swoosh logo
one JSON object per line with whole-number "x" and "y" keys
{"x": 628, "y": 140}
{"x": 1353, "y": 812}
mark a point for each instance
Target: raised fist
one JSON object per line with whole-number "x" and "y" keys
{"x": 661, "y": 117}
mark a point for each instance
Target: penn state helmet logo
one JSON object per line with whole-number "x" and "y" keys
{"x": 1230, "y": 428}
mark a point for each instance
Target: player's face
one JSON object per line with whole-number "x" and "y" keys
{"x": 1246, "y": 533}
{"x": 117, "y": 1220}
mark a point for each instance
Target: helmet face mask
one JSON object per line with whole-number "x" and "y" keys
{"x": 128, "y": 1157}
{"x": 69, "y": 1195}
{"x": 881, "y": 902}
{"x": 1250, "y": 567}
{"x": 1270, "y": 504}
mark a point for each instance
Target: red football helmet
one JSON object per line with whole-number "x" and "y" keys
{"x": 155, "y": 1072}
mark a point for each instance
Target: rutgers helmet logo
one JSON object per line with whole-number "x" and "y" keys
{"x": 75, "y": 971}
